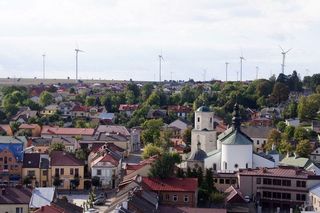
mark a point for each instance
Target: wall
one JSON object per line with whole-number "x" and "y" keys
{"x": 67, "y": 177}
{"x": 180, "y": 202}
{"x": 11, "y": 208}
{"x": 233, "y": 155}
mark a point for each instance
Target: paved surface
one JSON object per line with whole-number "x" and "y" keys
{"x": 133, "y": 157}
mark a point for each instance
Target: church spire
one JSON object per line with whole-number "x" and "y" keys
{"x": 236, "y": 119}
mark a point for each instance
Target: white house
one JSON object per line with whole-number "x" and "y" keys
{"x": 292, "y": 122}
{"x": 258, "y": 134}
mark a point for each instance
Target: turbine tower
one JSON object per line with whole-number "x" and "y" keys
{"x": 227, "y": 63}
{"x": 257, "y": 72}
{"x": 160, "y": 60}
{"x": 241, "y": 59}
{"x": 44, "y": 66}
{"x": 77, "y": 52}
{"x": 284, "y": 53}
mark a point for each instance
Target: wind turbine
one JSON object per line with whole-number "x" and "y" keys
{"x": 77, "y": 52}
{"x": 227, "y": 63}
{"x": 257, "y": 72}
{"x": 160, "y": 60}
{"x": 241, "y": 59}
{"x": 44, "y": 65}
{"x": 284, "y": 53}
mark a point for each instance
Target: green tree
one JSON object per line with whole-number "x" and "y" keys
{"x": 274, "y": 137}
{"x": 151, "y": 130}
{"x": 45, "y": 98}
{"x": 263, "y": 88}
{"x": 281, "y": 126}
{"x": 57, "y": 147}
{"x": 303, "y": 148}
{"x": 27, "y": 180}
{"x": 151, "y": 150}
{"x": 90, "y": 101}
{"x": 81, "y": 154}
{"x": 289, "y": 131}
{"x": 56, "y": 180}
{"x": 95, "y": 181}
{"x": 209, "y": 180}
{"x": 279, "y": 93}
{"x": 186, "y": 136}
{"x": 301, "y": 133}
{"x": 164, "y": 166}
{"x": 75, "y": 182}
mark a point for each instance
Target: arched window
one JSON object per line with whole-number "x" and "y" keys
{"x": 225, "y": 165}
{"x": 198, "y": 119}
{"x": 247, "y": 166}
{"x": 214, "y": 167}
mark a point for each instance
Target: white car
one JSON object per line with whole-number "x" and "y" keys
{"x": 247, "y": 198}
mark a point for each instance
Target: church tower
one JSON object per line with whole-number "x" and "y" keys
{"x": 203, "y": 132}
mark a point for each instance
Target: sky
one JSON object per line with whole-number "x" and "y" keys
{"x": 123, "y": 38}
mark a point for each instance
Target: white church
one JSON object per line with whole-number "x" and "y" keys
{"x": 230, "y": 151}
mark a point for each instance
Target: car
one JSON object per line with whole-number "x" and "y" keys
{"x": 247, "y": 198}
{"x": 100, "y": 196}
{"x": 100, "y": 201}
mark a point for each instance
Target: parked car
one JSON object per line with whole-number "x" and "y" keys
{"x": 247, "y": 198}
{"x": 99, "y": 201}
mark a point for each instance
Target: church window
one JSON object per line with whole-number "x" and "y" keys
{"x": 236, "y": 166}
{"x": 214, "y": 167}
{"x": 175, "y": 198}
{"x": 225, "y": 165}
{"x": 198, "y": 119}
{"x": 247, "y": 166}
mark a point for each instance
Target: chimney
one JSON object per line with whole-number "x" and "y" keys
{"x": 264, "y": 170}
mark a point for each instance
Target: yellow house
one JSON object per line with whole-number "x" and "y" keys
{"x": 68, "y": 167}
{"x": 36, "y": 167}
{"x": 50, "y": 110}
{"x": 15, "y": 199}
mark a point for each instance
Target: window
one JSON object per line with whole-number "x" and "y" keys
{"x": 301, "y": 197}
{"x": 1, "y": 159}
{"x": 286, "y": 196}
{"x": 62, "y": 171}
{"x": 301, "y": 183}
{"x": 198, "y": 119}
{"x": 264, "y": 142}
{"x": 56, "y": 171}
{"x": 276, "y": 195}
{"x": 214, "y": 167}
{"x": 175, "y": 198}
{"x": 266, "y": 194}
{"x": 267, "y": 181}
{"x": 76, "y": 171}
{"x": 98, "y": 171}
{"x": 236, "y": 166}
{"x": 247, "y": 166}
{"x": 186, "y": 198}
{"x": 45, "y": 172}
{"x": 31, "y": 173}
{"x": 225, "y": 165}
{"x": 221, "y": 181}
{"x": 215, "y": 180}
{"x": 276, "y": 182}
{"x": 258, "y": 142}
{"x": 233, "y": 181}
{"x": 19, "y": 210}
{"x": 167, "y": 197}
{"x": 286, "y": 182}
{"x": 258, "y": 180}
{"x": 71, "y": 171}
{"x": 10, "y": 159}
{"x": 227, "y": 181}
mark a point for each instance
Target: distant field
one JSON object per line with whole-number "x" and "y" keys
{"x": 31, "y": 81}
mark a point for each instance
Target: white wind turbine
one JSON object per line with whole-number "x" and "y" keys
{"x": 284, "y": 53}
{"x": 77, "y": 52}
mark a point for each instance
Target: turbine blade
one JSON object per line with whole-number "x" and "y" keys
{"x": 288, "y": 50}
{"x": 281, "y": 48}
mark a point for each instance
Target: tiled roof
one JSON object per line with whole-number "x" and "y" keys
{"x": 113, "y": 129}
{"x": 7, "y": 129}
{"x": 179, "y": 108}
{"x": 286, "y": 172}
{"x": 66, "y": 206}
{"x": 47, "y": 130}
{"x": 128, "y": 107}
{"x": 31, "y": 160}
{"x": 15, "y": 196}
{"x": 180, "y": 209}
{"x": 106, "y": 158}
{"x": 256, "y": 131}
{"x": 61, "y": 158}
{"x": 49, "y": 209}
{"x": 171, "y": 184}
{"x": 28, "y": 126}
{"x": 236, "y": 137}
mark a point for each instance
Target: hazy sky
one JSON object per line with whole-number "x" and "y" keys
{"x": 123, "y": 38}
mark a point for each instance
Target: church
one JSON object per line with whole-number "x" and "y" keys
{"x": 228, "y": 152}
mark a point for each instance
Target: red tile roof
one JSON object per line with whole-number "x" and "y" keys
{"x": 128, "y": 107}
{"x": 287, "y": 172}
{"x": 106, "y": 158}
{"x": 171, "y": 184}
{"x": 180, "y": 108}
{"x": 28, "y": 126}
{"x": 61, "y": 158}
{"x": 48, "y": 130}
{"x": 49, "y": 209}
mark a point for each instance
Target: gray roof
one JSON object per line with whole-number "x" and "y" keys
{"x": 236, "y": 137}
{"x": 256, "y": 131}
{"x": 198, "y": 155}
{"x": 295, "y": 161}
{"x": 42, "y": 196}
{"x": 316, "y": 190}
{"x": 203, "y": 109}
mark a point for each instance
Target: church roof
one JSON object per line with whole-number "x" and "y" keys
{"x": 203, "y": 109}
{"x": 198, "y": 155}
{"x": 236, "y": 137}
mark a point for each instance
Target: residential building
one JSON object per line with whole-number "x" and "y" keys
{"x": 6, "y": 130}
{"x": 51, "y": 132}
{"x": 283, "y": 187}
{"x": 173, "y": 191}
{"x": 11, "y": 158}
{"x": 314, "y": 198}
{"x": 65, "y": 108}
{"x": 49, "y": 110}
{"x": 180, "y": 111}
{"x": 35, "y": 129}
{"x": 128, "y": 108}
{"x": 70, "y": 144}
{"x": 181, "y": 125}
{"x": 23, "y": 115}
{"x": 292, "y": 122}
{"x": 40, "y": 145}
{"x": 15, "y": 199}
{"x": 259, "y": 135}
{"x": 68, "y": 167}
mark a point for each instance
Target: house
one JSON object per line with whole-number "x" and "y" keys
{"x": 60, "y": 206}
{"x": 281, "y": 187}
{"x": 42, "y": 196}
{"x": 51, "y": 132}
{"x": 173, "y": 191}
{"x": 11, "y": 158}
{"x": 36, "y": 167}
{"x": 65, "y": 108}
{"x": 35, "y": 129}
{"x": 70, "y": 144}
{"x": 315, "y": 155}
{"x": 315, "y": 126}
{"x": 259, "y": 135}
{"x": 6, "y": 130}
{"x": 128, "y": 108}
{"x": 180, "y": 111}
{"x": 314, "y": 198}
{"x": 292, "y": 122}
{"x": 24, "y": 114}
{"x": 106, "y": 117}
{"x": 15, "y": 199}
{"x": 141, "y": 169}
{"x": 50, "y": 110}
{"x": 157, "y": 113}
{"x": 40, "y": 145}
{"x": 181, "y": 125}
{"x": 67, "y": 167}
{"x": 106, "y": 165}
{"x": 270, "y": 112}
